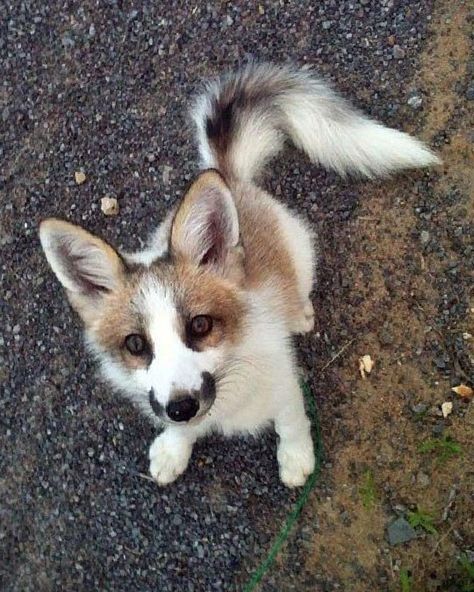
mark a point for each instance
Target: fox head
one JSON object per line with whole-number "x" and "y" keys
{"x": 164, "y": 330}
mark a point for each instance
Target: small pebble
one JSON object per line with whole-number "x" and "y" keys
{"x": 109, "y": 206}
{"x": 446, "y": 408}
{"x": 415, "y": 101}
{"x": 423, "y": 479}
{"x": 79, "y": 177}
{"x": 386, "y": 338}
{"x": 398, "y": 52}
{"x": 419, "y": 408}
{"x": 424, "y": 237}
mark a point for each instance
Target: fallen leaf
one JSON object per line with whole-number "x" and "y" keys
{"x": 109, "y": 206}
{"x": 79, "y": 177}
{"x": 446, "y": 408}
{"x": 463, "y": 391}
{"x": 365, "y": 365}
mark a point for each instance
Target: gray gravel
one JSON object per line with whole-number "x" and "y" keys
{"x": 103, "y": 88}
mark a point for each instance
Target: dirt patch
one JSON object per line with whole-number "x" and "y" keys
{"x": 405, "y": 297}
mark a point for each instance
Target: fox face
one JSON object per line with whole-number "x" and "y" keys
{"x": 164, "y": 332}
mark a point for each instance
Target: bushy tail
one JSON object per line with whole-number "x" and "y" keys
{"x": 244, "y": 118}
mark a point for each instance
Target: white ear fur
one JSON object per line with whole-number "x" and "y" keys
{"x": 83, "y": 263}
{"x": 206, "y": 225}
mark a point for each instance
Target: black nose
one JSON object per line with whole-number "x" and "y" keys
{"x": 182, "y": 409}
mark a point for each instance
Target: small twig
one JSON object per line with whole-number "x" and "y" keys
{"x": 137, "y": 553}
{"x": 423, "y": 264}
{"x": 340, "y": 352}
{"x": 452, "y": 495}
{"x": 392, "y": 573}
{"x": 147, "y": 477}
{"x": 441, "y": 539}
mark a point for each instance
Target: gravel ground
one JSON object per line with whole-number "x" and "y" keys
{"x": 103, "y": 88}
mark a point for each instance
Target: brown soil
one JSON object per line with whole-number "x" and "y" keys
{"x": 394, "y": 304}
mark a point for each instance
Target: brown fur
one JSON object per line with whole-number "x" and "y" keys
{"x": 262, "y": 254}
{"x": 203, "y": 292}
{"x": 116, "y": 318}
{"x": 196, "y": 291}
{"x": 231, "y": 267}
{"x": 266, "y": 254}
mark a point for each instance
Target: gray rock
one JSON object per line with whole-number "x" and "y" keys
{"x": 386, "y": 338}
{"x": 419, "y": 408}
{"x": 400, "y": 532}
{"x": 470, "y": 93}
{"x": 422, "y": 479}
{"x": 398, "y": 52}
{"x": 415, "y": 101}
{"x": 424, "y": 237}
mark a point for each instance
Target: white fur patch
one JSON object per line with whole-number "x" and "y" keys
{"x": 174, "y": 366}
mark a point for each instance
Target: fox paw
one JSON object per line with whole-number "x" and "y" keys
{"x": 296, "y": 460}
{"x": 168, "y": 459}
{"x": 305, "y": 323}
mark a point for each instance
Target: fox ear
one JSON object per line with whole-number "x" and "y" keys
{"x": 84, "y": 264}
{"x": 206, "y": 226}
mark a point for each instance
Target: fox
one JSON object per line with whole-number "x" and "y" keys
{"x": 196, "y": 328}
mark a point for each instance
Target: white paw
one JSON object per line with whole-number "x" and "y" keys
{"x": 296, "y": 460}
{"x": 305, "y": 323}
{"x": 168, "y": 459}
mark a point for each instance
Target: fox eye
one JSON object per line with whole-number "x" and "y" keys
{"x": 200, "y": 326}
{"x": 136, "y": 344}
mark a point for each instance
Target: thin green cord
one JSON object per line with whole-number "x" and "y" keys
{"x": 303, "y": 498}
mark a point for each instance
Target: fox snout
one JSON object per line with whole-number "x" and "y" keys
{"x": 184, "y": 405}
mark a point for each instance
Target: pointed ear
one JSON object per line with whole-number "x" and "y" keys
{"x": 84, "y": 264}
{"x": 206, "y": 226}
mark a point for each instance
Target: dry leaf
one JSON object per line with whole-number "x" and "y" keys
{"x": 446, "y": 408}
{"x": 463, "y": 391}
{"x": 79, "y": 177}
{"x": 109, "y": 206}
{"x": 365, "y": 365}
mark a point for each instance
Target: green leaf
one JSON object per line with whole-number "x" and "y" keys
{"x": 368, "y": 491}
{"x": 444, "y": 447}
{"x": 405, "y": 581}
{"x": 468, "y": 568}
{"x": 423, "y": 520}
